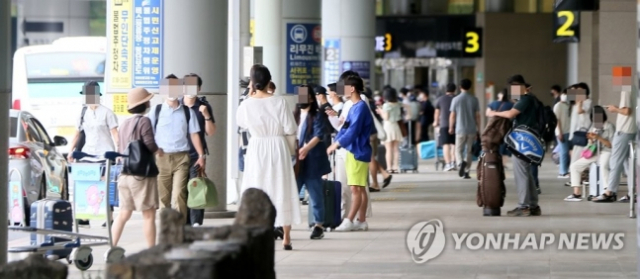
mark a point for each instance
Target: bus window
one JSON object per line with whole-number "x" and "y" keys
{"x": 62, "y": 64}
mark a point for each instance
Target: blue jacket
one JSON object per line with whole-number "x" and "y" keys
{"x": 316, "y": 164}
{"x": 356, "y": 130}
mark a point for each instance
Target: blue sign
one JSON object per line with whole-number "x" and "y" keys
{"x": 303, "y": 55}
{"x": 147, "y": 70}
{"x": 86, "y": 172}
{"x": 363, "y": 68}
{"x": 331, "y": 60}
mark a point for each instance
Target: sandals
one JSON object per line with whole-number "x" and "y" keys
{"x": 373, "y": 190}
{"x": 387, "y": 181}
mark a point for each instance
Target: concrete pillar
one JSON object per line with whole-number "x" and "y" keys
{"x": 588, "y": 52}
{"x": 618, "y": 19}
{"x": 73, "y": 15}
{"x": 572, "y": 63}
{"x": 201, "y": 48}
{"x": 5, "y": 97}
{"x": 357, "y": 41}
{"x": 271, "y": 19}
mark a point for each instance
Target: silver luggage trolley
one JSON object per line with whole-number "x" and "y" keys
{"x": 93, "y": 178}
{"x": 440, "y": 163}
{"x": 631, "y": 180}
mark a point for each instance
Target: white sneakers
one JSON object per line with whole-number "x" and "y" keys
{"x": 348, "y": 226}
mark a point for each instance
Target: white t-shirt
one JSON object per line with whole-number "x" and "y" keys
{"x": 626, "y": 123}
{"x": 580, "y": 121}
{"x": 97, "y": 127}
{"x": 561, "y": 110}
{"x": 337, "y": 121}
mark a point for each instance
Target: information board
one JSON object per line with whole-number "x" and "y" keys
{"x": 363, "y": 68}
{"x": 303, "y": 52}
{"x": 331, "y": 61}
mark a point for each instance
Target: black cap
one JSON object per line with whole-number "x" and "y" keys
{"x": 90, "y": 83}
{"x": 516, "y": 80}
{"x": 319, "y": 90}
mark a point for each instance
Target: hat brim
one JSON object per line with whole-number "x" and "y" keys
{"x": 83, "y": 94}
{"x": 146, "y": 99}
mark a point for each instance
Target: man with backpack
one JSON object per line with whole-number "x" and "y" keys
{"x": 174, "y": 126}
{"x": 526, "y": 112}
{"x": 204, "y": 114}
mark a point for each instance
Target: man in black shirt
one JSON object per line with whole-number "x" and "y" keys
{"x": 204, "y": 114}
{"x": 525, "y": 113}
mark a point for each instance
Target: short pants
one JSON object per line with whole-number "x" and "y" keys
{"x": 357, "y": 171}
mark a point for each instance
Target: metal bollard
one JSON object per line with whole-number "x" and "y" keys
{"x": 631, "y": 180}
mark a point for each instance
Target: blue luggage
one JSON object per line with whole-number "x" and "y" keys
{"x": 51, "y": 215}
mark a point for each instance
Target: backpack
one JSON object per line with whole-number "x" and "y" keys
{"x": 547, "y": 121}
{"x": 187, "y": 114}
{"x": 81, "y": 135}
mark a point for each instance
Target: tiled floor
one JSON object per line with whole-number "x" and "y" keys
{"x": 382, "y": 251}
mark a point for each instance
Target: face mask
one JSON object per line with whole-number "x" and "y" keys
{"x": 190, "y": 96}
{"x": 500, "y": 96}
{"x": 563, "y": 98}
{"x": 377, "y": 98}
{"x": 171, "y": 99}
{"x": 146, "y": 111}
{"x": 303, "y": 106}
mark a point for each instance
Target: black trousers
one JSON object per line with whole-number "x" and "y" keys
{"x": 194, "y": 216}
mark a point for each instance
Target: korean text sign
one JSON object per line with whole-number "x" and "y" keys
{"x": 303, "y": 55}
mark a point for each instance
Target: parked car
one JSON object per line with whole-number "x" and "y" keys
{"x": 34, "y": 158}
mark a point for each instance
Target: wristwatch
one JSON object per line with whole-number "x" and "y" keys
{"x": 203, "y": 156}
{"x": 208, "y": 119}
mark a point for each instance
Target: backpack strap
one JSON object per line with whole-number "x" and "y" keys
{"x": 84, "y": 110}
{"x": 157, "y": 113}
{"x": 187, "y": 114}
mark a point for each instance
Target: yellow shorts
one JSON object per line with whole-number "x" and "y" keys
{"x": 357, "y": 171}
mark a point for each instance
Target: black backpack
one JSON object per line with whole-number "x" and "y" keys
{"x": 547, "y": 121}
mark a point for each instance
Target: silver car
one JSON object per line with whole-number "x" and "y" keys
{"x": 34, "y": 160}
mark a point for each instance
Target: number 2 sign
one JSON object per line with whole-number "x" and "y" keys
{"x": 566, "y": 26}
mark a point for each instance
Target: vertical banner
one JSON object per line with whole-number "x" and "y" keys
{"x": 120, "y": 104}
{"x": 303, "y": 55}
{"x": 120, "y": 34}
{"x": 363, "y": 68}
{"x": 148, "y": 43}
{"x": 331, "y": 61}
{"x": 90, "y": 191}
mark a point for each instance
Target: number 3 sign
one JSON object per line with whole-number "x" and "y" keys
{"x": 472, "y": 42}
{"x": 566, "y": 26}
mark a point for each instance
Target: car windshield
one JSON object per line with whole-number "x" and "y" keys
{"x": 14, "y": 127}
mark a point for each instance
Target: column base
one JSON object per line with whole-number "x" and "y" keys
{"x": 224, "y": 214}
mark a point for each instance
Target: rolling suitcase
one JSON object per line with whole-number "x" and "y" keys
{"x": 491, "y": 188}
{"x": 408, "y": 154}
{"x": 51, "y": 215}
{"x": 332, "y": 194}
{"x": 596, "y": 186}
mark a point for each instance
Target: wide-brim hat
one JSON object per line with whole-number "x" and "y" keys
{"x": 138, "y": 96}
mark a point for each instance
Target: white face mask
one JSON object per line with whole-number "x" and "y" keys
{"x": 146, "y": 111}
{"x": 377, "y": 98}
{"x": 171, "y": 99}
{"x": 190, "y": 96}
{"x": 563, "y": 98}
{"x": 500, "y": 96}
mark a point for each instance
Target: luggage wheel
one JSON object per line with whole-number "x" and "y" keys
{"x": 114, "y": 255}
{"x": 81, "y": 257}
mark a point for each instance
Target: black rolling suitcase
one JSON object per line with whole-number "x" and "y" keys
{"x": 332, "y": 198}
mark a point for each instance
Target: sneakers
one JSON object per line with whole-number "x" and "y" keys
{"x": 360, "y": 226}
{"x": 449, "y": 167}
{"x": 563, "y": 176}
{"x": 461, "y": 171}
{"x": 466, "y": 176}
{"x": 83, "y": 223}
{"x": 317, "y": 233}
{"x": 519, "y": 212}
{"x": 538, "y": 189}
{"x": 346, "y": 226}
{"x": 536, "y": 211}
{"x": 573, "y": 197}
{"x": 605, "y": 198}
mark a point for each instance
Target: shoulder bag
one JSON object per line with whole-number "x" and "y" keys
{"x": 202, "y": 192}
{"x": 139, "y": 160}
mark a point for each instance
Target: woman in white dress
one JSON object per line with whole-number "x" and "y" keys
{"x": 268, "y": 162}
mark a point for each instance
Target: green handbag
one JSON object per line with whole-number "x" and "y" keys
{"x": 202, "y": 192}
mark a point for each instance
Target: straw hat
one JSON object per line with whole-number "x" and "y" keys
{"x": 138, "y": 96}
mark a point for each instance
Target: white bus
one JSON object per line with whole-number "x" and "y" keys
{"x": 48, "y": 79}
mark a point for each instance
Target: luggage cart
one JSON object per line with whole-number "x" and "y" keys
{"x": 94, "y": 177}
{"x": 17, "y": 200}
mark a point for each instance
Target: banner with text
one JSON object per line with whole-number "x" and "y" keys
{"x": 331, "y": 61}
{"x": 135, "y": 50}
{"x": 303, "y": 55}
